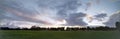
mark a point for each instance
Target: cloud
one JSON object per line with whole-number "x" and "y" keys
{"x": 76, "y": 19}
{"x": 98, "y": 1}
{"x": 37, "y": 11}
{"x": 101, "y": 16}
{"x": 26, "y": 11}
{"x": 15, "y": 24}
{"x": 69, "y": 7}
{"x": 113, "y": 19}
{"x": 89, "y": 4}
{"x": 47, "y": 11}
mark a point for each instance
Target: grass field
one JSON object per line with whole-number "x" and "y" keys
{"x": 27, "y": 34}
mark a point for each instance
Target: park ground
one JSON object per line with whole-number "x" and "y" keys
{"x": 30, "y": 34}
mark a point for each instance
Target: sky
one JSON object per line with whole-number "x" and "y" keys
{"x": 26, "y": 13}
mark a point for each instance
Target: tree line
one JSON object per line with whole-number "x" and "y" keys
{"x": 102, "y": 28}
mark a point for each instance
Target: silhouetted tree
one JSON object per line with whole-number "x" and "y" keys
{"x": 4, "y": 28}
{"x": 25, "y": 29}
{"x": 118, "y": 25}
{"x": 61, "y": 28}
{"x": 35, "y": 28}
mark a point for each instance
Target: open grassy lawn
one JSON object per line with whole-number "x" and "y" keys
{"x": 27, "y": 34}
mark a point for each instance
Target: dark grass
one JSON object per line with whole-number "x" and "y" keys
{"x": 28, "y": 34}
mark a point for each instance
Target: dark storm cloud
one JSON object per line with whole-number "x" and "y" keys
{"x": 68, "y": 8}
{"x": 76, "y": 19}
{"x": 101, "y": 16}
{"x": 52, "y": 10}
{"x": 113, "y": 19}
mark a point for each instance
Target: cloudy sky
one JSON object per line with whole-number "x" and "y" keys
{"x": 25, "y": 13}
